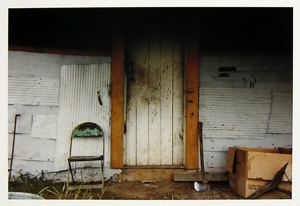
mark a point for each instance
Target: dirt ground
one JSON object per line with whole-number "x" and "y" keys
{"x": 166, "y": 191}
{"x": 136, "y": 191}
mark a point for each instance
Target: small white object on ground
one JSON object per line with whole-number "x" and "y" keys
{"x": 200, "y": 187}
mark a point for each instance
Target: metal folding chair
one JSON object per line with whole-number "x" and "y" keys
{"x": 87, "y": 130}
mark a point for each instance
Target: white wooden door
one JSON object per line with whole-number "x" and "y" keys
{"x": 154, "y": 102}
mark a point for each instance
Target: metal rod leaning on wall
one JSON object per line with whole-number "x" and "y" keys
{"x": 13, "y": 146}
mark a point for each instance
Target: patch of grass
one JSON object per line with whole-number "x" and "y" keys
{"x": 50, "y": 190}
{"x": 63, "y": 193}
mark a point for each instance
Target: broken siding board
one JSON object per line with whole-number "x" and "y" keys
{"x": 33, "y": 91}
{"x": 154, "y": 100}
{"x": 177, "y": 65}
{"x": 166, "y": 102}
{"x": 142, "y": 102}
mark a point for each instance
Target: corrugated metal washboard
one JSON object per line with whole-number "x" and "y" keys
{"x": 78, "y": 104}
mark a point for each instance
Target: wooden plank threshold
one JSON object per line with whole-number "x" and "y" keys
{"x": 153, "y": 167}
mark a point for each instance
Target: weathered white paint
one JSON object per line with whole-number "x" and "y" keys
{"x": 29, "y": 109}
{"x": 273, "y": 73}
{"x": 270, "y": 141}
{"x": 33, "y": 149}
{"x": 216, "y": 149}
{"x": 33, "y": 153}
{"x": 178, "y": 98}
{"x": 215, "y": 160}
{"x": 240, "y": 79}
{"x": 23, "y": 122}
{"x": 78, "y": 104}
{"x": 32, "y": 168}
{"x": 28, "y": 64}
{"x": 166, "y": 123}
{"x": 131, "y": 124}
{"x": 81, "y": 175}
{"x": 156, "y": 86}
{"x": 44, "y": 126}
{"x": 250, "y": 61}
{"x": 142, "y": 103}
{"x": 281, "y": 112}
{"x": 234, "y": 113}
{"x": 33, "y": 91}
{"x": 154, "y": 97}
{"x": 269, "y": 70}
{"x": 242, "y": 117}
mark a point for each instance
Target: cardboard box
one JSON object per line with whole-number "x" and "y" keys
{"x": 251, "y": 168}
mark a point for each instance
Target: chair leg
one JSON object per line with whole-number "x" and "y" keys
{"x": 102, "y": 174}
{"x": 70, "y": 171}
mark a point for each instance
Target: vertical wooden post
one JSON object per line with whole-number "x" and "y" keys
{"x": 117, "y": 100}
{"x": 192, "y": 101}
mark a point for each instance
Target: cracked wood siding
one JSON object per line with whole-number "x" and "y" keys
{"x": 78, "y": 104}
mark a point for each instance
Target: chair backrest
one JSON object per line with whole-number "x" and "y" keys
{"x": 87, "y": 130}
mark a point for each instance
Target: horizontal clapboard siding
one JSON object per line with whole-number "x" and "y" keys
{"x": 215, "y": 150}
{"x": 33, "y": 91}
{"x": 243, "y": 117}
{"x": 281, "y": 112}
{"x": 234, "y": 113}
{"x": 270, "y": 141}
{"x": 29, "y": 148}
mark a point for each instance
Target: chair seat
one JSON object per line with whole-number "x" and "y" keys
{"x": 84, "y": 158}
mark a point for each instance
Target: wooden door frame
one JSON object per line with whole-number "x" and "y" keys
{"x": 191, "y": 100}
{"x": 117, "y": 100}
